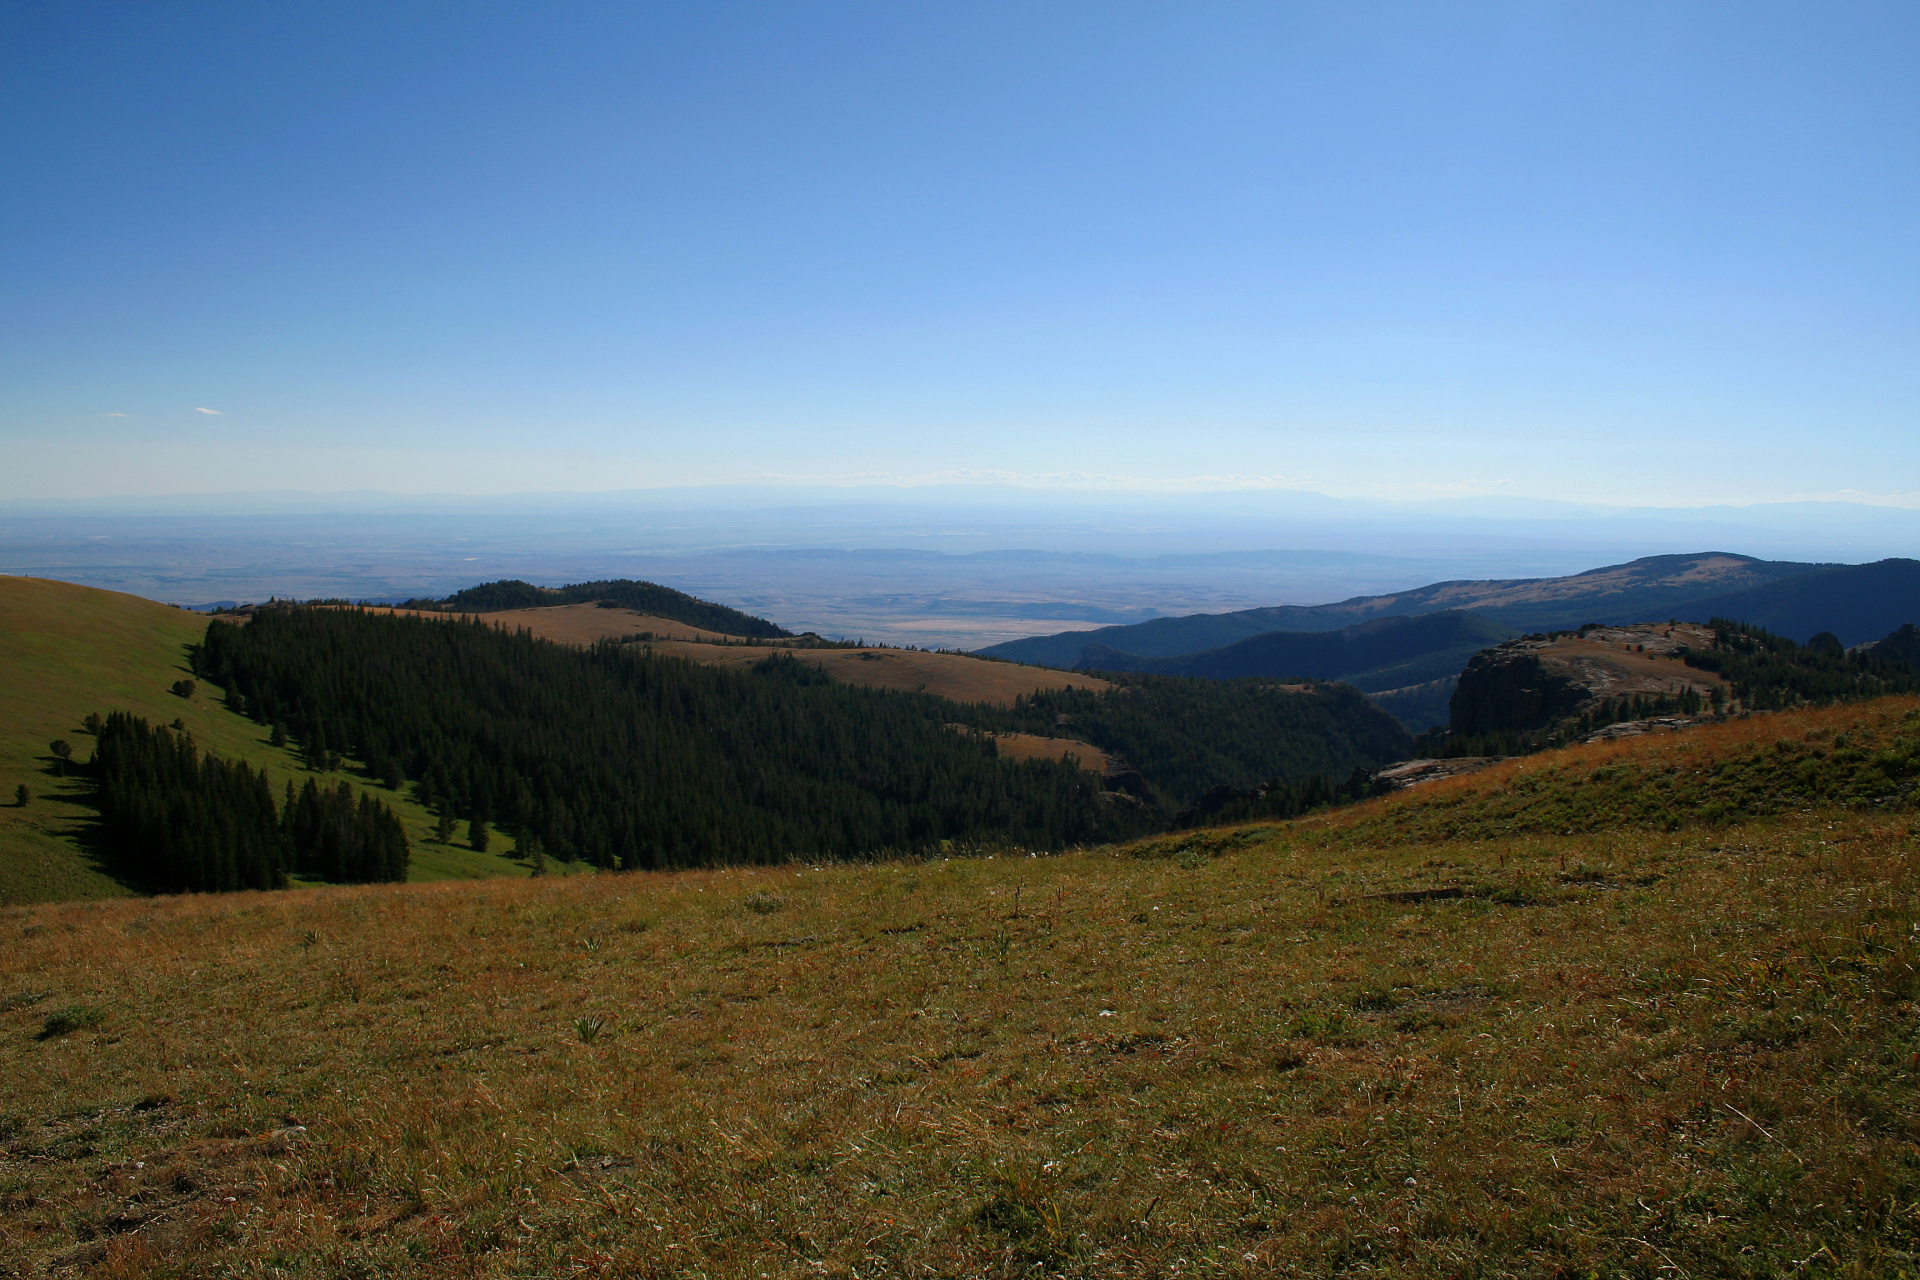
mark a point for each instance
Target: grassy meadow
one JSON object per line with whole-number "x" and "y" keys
{"x": 1462, "y": 1031}
{"x": 71, "y": 651}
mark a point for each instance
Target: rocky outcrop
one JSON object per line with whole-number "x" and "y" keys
{"x": 1411, "y": 773}
{"x": 1533, "y": 683}
{"x": 1508, "y": 688}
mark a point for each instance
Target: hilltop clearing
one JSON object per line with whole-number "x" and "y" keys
{"x": 74, "y": 651}
{"x": 957, "y": 676}
{"x": 648, "y": 598}
{"x": 1430, "y": 1036}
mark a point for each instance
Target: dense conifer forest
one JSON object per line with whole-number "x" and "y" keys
{"x": 175, "y": 820}
{"x": 1187, "y": 736}
{"x": 626, "y": 759}
{"x": 622, "y": 593}
{"x": 1772, "y": 673}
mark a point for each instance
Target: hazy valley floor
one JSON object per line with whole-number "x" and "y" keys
{"x": 1354, "y": 1044}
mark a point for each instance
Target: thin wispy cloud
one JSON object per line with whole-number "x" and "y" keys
{"x": 203, "y": 409}
{"x": 114, "y": 415}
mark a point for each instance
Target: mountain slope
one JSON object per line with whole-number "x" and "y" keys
{"x": 1383, "y": 653}
{"x": 1629, "y": 592}
{"x": 1858, "y": 603}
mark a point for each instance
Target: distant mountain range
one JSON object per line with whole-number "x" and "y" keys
{"x": 1856, "y": 602}
{"x": 1408, "y": 646}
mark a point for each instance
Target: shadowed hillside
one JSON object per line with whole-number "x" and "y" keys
{"x": 1385, "y": 653}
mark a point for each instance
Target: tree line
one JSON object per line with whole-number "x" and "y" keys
{"x": 177, "y": 820}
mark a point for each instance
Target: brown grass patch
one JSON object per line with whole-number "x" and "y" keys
{"x": 1031, "y": 746}
{"x": 948, "y": 675}
{"x": 1233, "y": 1053}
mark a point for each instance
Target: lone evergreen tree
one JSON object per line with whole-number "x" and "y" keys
{"x": 443, "y": 830}
{"x": 62, "y": 751}
{"x": 477, "y": 833}
{"x": 21, "y": 796}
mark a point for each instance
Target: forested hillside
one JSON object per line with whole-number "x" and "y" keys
{"x": 624, "y": 593}
{"x": 626, "y": 759}
{"x": 1187, "y": 737}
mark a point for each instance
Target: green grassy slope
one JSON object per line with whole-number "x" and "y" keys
{"x": 72, "y": 650}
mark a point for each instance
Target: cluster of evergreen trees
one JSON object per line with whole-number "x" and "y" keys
{"x": 1772, "y": 673}
{"x": 619, "y": 593}
{"x": 177, "y": 820}
{"x": 631, "y": 759}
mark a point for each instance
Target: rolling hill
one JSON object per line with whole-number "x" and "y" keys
{"x": 605, "y": 753}
{"x": 73, "y": 651}
{"x": 1652, "y": 588}
{"x": 1639, "y": 1008}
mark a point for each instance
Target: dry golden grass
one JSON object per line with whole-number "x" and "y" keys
{"x": 949, "y": 675}
{"x": 1248, "y": 1052}
{"x": 1030, "y": 746}
{"x": 580, "y": 624}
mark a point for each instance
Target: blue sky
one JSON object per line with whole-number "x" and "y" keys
{"x": 1659, "y": 253}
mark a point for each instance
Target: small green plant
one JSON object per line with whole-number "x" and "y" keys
{"x": 75, "y": 1017}
{"x": 762, "y": 903}
{"x": 589, "y": 1028}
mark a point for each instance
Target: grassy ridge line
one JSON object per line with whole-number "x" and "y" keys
{"x": 1250, "y": 1053}
{"x": 72, "y": 650}
{"x": 1862, "y": 756}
